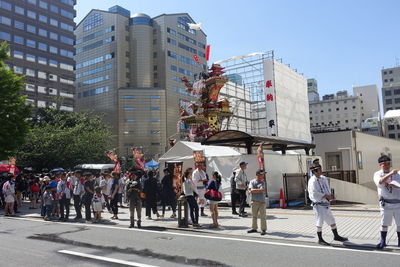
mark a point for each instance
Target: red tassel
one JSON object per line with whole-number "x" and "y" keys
{"x": 207, "y": 52}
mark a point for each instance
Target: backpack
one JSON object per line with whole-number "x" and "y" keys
{"x": 35, "y": 188}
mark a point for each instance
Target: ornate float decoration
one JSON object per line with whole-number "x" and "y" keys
{"x": 204, "y": 116}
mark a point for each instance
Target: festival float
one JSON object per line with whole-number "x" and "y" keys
{"x": 204, "y": 116}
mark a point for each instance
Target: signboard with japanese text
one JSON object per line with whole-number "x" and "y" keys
{"x": 270, "y": 97}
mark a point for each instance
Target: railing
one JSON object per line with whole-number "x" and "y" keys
{"x": 347, "y": 176}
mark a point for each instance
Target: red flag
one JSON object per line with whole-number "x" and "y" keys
{"x": 207, "y": 52}
{"x": 196, "y": 58}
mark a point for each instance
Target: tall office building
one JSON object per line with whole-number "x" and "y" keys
{"x": 391, "y": 98}
{"x": 129, "y": 67}
{"x": 312, "y": 88}
{"x": 41, "y": 38}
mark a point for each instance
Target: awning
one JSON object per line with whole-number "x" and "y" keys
{"x": 234, "y": 138}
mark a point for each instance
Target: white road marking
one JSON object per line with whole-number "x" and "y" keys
{"x": 101, "y": 258}
{"x": 200, "y": 235}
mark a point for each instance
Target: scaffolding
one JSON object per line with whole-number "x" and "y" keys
{"x": 245, "y": 92}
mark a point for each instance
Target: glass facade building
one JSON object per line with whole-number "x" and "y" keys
{"x": 143, "y": 61}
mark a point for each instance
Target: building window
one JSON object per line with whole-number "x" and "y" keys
{"x": 18, "y": 39}
{"x": 54, "y": 8}
{"x": 345, "y": 108}
{"x": 337, "y": 109}
{"x": 154, "y": 108}
{"x": 53, "y": 36}
{"x": 43, "y": 4}
{"x": 43, "y": 32}
{"x": 18, "y": 10}
{"x": 5, "y": 20}
{"x": 18, "y": 54}
{"x": 392, "y": 136}
{"x": 154, "y": 54}
{"x": 30, "y": 72}
{"x": 19, "y": 25}
{"x": 128, "y": 108}
{"x": 388, "y": 92}
{"x": 390, "y": 127}
{"x": 31, "y": 43}
{"x": 42, "y": 46}
{"x": 397, "y": 100}
{"x": 128, "y": 97}
{"x": 155, "y": 144}
{"x": 155, "y": 120}
{"x": 92, "y": 21}
{"x": 53, "y": 49}
{"x": 31, "y": 28}
{"x": 130, "y": 120}
{"x": 155, "y": 131}
{"x": 129, "y": 132}
{"x": 54, "y": 22}
{"x": 5, "y": 5}
{"x": 174, "y": 68}
{"x": 31, "y": 14}
{"x": 18, "y": 70}
{"x": 389, "y": 101}
{"x": 42, "y": 60}
{"x": 53, "y": 63}
{"x": 155, "y": 97}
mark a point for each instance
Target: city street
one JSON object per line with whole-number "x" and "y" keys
{"x": 38, "y": 242}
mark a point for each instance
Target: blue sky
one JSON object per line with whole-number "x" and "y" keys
{"x": 340, "y": 43}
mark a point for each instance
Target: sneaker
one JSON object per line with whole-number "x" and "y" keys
{"x": 323, "y": 243}
{"x": 263, "y": 232}
{"x": 252, "y": 231}
{"x": 131, "y": 226}
{"x": 235, "y": 213}
{"x": 139, "y": 224}
{"x": 341, "y": 239}
{"x": 243, "y": 215}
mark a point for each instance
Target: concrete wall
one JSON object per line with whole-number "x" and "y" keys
{"x": 350, "y": 192}
{"x": 371, "y": 147}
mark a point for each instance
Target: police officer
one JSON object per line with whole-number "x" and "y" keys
{"x": 389, "y": 197}
{"x": 320, "y": 195}
{"x": 133, "y": 190}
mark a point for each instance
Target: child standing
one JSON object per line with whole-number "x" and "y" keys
{"x": 48, "y": 202}
{"x": 98, "y": 202}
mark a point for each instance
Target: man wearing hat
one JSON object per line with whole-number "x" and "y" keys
{"x": 320, "y": 195}
{"x": 241, "y": 186}
{"x": 257, "y": 189}
{"x": 386, "y": 181}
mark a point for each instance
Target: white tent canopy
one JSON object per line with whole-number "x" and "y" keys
{"x": 184, "y": 150}
{"x": 391, "y": 116}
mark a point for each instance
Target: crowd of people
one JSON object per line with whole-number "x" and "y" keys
{"x": 109, "y": 191}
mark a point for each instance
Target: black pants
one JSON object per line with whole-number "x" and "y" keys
{"x": 234, "y": 199}
{"x": 114, "y": 204}
{"x": 107, "y": 202}
{"x": 64, "y": 204}
{"x": 243, "y": 197}
{"x": 77, "y": 206}
{"x": 151, "y": 205}
{"x": 88, "y": 202}
{"x": 194, "y": 209}
{"x": 168, "y": 200}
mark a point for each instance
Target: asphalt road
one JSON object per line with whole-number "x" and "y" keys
{"x": 32, "y": 242}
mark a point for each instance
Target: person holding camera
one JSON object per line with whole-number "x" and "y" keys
{"x": 133, "y": 190}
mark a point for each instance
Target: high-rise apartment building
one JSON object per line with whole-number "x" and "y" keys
{"x": 41, "y": 38}
{"x": 129, "y": 68}
{"x": 391, "y": 97}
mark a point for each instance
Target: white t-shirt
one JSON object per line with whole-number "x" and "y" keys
{"x": 107, "y": 188}
{"x": 197, "y": 176}
{"x": 385, "y": 191}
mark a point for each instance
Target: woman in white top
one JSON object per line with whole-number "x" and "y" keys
{"x": 189, "y": 189}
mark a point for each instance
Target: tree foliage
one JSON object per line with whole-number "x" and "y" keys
{"x": 13, "y": 110}
{"x": 64, "y": 139}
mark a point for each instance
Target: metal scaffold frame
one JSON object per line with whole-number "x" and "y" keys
{"x": 246, "y": 75}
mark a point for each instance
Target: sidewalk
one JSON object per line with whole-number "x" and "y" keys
{"x": 360, "y": 223}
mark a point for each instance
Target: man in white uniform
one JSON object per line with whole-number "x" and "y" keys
{"x": 320, "y": 195}
{"x": 387, "y": 182}
{"x": 199, "y": 178}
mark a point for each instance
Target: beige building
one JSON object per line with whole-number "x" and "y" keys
{"x": 357, "y": 151}
{"x": 129, "y": 68}
{"x": 345, "y": 112}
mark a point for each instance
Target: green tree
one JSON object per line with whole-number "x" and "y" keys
{"x": 14, "y": 112}
{"x": 64, "y": 139}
